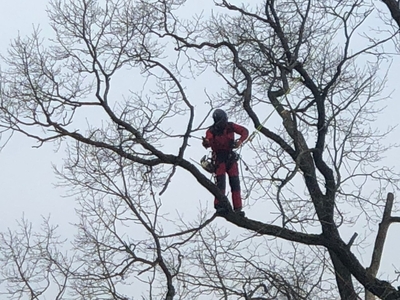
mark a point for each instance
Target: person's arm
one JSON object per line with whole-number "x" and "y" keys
{"x": 242, "y": 131}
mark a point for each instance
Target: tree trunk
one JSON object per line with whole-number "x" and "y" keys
{"x": 343, "y": 279}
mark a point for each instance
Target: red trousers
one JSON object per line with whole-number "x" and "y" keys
{"x": 232, "y": 170}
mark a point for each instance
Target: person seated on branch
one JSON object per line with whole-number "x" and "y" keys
{"x": 221, "y": 138}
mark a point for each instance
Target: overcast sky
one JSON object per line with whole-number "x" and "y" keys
{"x": 26, "y": 176}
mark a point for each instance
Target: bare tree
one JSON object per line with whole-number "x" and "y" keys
{"x": 311, "y": 63}
{"x": 33, "y": 262}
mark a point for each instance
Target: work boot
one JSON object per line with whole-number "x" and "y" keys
{"x": 239, "y": 212}
{"x": 220, "y": 209}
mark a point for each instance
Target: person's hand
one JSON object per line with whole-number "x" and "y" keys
{"x": 237, "y": 144}
{"x": 206, "y": 142}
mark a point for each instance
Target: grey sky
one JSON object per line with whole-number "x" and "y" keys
{"x": 27, "y": 178}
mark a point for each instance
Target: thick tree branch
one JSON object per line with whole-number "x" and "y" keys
{"x": 394, "y": 8}
{"x": 380, "y": 242}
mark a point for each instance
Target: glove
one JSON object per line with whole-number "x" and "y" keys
{"x": 237, "y": 144}
{"x": 206, "y": 142}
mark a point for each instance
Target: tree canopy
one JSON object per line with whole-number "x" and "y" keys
{"x": 127, "y": 89}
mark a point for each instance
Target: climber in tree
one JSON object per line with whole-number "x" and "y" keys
{"x": 221, "y": 138}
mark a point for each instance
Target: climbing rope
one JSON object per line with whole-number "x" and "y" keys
{"x": 261, "y": 125}
{"x": 250, "y": 139}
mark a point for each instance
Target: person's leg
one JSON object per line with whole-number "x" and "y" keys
{"x": 220, "y": 179}
{"x": 234, "y": 183}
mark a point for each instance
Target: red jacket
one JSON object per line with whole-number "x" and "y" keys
{"x": 225, "y": 141}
